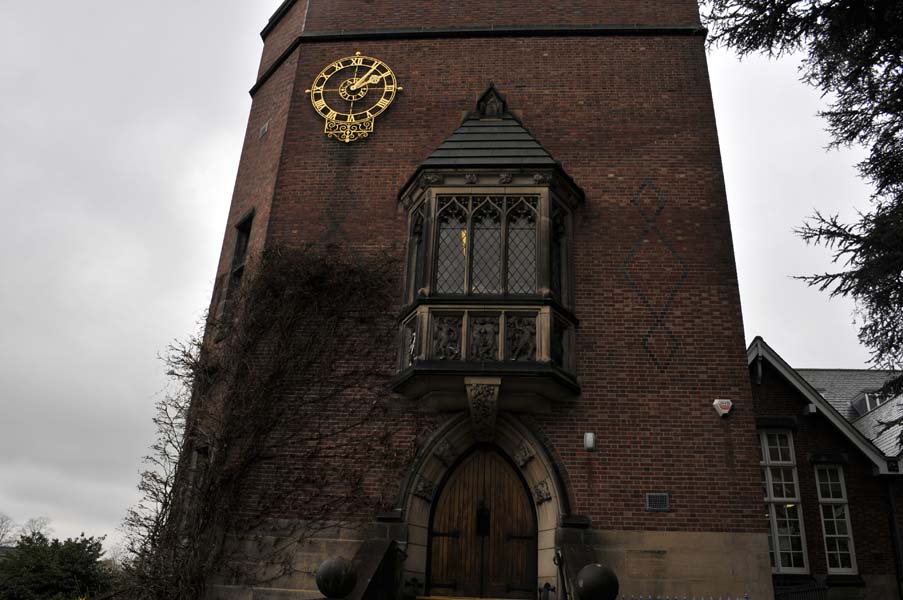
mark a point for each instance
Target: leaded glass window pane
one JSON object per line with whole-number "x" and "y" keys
{"x": 487, "y": 245}
{"x": 452, "y": 248}
{"x": 487, "y": 249}
{"x": 522, "y": 248}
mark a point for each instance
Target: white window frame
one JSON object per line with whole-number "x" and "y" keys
{"x": 822, "y": 502}
{"x": 767, "y": 464}
{"x": 875, "y": 399}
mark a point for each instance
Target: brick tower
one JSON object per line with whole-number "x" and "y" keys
{"x": 547, "y": 175}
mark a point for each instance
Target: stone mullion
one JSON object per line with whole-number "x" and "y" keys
{"x": 544, "y": 334}
{"x": 503, "y": 271}
{"x": 431, "y": 231}
{"x": 465, "y": 334}
{"x": 423, "y": 331}
{"x": 468, "y": 248}
{"x": 543, "y": 242}
{"x": 503, "y": 336}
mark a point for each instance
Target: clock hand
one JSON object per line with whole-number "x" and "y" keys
{"x": 362, "y": 81}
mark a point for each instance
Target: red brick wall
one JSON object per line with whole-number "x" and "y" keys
{"x": 282, "y": 33}
{"x": 335, "y": 15}
{"x": 259, "y": 165}
{"x": 618, "y": 112}
{"x": 868, "y": 516}
{"x": 350, "y": 15}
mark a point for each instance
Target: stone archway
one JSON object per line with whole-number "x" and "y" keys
{"x": 441, "y": 453}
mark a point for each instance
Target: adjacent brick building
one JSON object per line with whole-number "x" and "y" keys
{"x": 833, "y": 495}
{"x": 568, "y": 270}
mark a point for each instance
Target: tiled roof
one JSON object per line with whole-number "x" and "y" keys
{"x": 841, "y": 386}
{"x": 489, "y": 137}
{"x": 870, "y": 426}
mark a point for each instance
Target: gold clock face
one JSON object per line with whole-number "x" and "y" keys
{"x": 350, "y": 93}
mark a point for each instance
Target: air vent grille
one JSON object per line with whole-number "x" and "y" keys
{"x": 658, "y": 502}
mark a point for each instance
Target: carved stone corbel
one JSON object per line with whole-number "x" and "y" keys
{"x": 483, "y": 401}
{"x": 445, "y": 453}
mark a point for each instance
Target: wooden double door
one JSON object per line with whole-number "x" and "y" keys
{"x": 483, "y": 536}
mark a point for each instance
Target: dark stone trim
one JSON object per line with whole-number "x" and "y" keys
{"x": 274, "y": 67}
{"x": 277, "y": 17}
{"x": 829, "y": 457}
{"x": 468, "y": 32}
{"x": 526, "y": 370}
{"x": 393, "y": 516}
{"x": 776, "y": 422}
{"x": 576, "y": 521}
{"x": 844, "y": 581}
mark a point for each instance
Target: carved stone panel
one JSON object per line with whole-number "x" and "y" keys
{"x": 431, "y": 179}
{"x": 483, "y": 401}
{"x": 484, "y": 338}
{"x": 446, "y": 337}
{"x": 425, "y": 489}
{"x": 445, "y": 453}
{"x": 520, "y": 337}
{"x": 523, "y": 455}
{"x": 542, "y": 492}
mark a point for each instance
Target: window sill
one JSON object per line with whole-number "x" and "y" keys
{"x": 490, "y": 300}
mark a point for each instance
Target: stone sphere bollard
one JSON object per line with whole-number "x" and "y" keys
{"x": 595, "y": 582}
{"x": 336, "y": 577}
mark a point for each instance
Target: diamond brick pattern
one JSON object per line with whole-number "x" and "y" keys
{"x": 656, "y": 295}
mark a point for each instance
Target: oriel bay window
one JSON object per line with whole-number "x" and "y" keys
{"x": 488, "y": 278}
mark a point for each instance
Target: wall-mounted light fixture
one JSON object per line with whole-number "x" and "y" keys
{"x": 589, "y": 441}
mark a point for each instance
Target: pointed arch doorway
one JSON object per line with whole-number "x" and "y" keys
{"x": 483, "y": 530}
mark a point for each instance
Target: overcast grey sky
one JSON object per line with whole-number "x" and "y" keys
{"x": 120, "y": 130}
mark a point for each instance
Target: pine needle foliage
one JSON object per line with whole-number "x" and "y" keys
{"x": 854, "y": 55}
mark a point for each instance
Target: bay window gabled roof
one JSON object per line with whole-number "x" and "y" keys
{"x": 491, "y": 136}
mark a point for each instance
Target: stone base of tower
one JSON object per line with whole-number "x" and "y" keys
{"x": 682, "y": 564}
{"x": 649, "y": 564}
